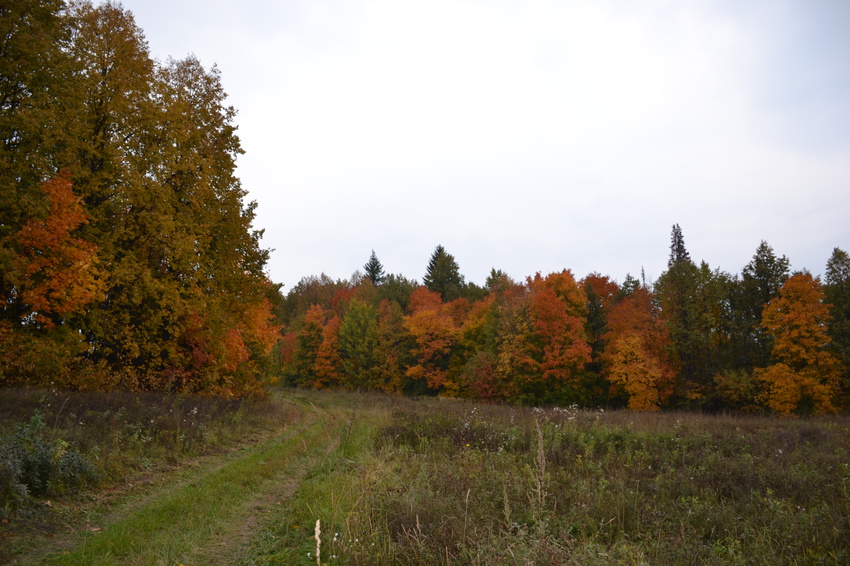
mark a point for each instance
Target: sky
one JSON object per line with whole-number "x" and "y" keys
{"x": 530, "y": 136}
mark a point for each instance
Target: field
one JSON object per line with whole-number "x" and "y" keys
{"x": 128, "y": 479}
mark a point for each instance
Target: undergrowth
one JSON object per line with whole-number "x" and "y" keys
{"x": 56, "y": 446}
{"x": 454, "y": 483}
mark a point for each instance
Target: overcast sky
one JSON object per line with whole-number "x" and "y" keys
{"x": 530, "y": 135}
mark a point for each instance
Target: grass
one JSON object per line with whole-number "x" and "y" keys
{"x": 454, "y": 483}
{"x": 400, "y": 481}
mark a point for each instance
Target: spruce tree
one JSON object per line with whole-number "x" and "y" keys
{"x": 374, "y": 270}
{"x": 443, "y": 275}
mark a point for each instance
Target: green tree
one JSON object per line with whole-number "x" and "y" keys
{"x": 374, "y": 270}
{"x": 760, "y": 282}
{"x": 837, "y": 292}
{"x": 443, "y": 275}
{"x": 358, "y": 345}
{"x": 676, "y": 290}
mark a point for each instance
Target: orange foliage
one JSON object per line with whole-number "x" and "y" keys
{"x": 58, "y": 270}
{"x": 555, "y": 349}
{"x": 433, "y": 328}
{"x": 234, "y": 351}
{"x": 328, "y": 361}
{"x": 805, "y": 370}
{"x": 257, "y": 322}
{"x": 604, "y": 288}
{"x": 636, "y": 354}
{"x": 423, "y": 299}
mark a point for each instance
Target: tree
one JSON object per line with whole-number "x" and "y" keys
{"x": 34, "y": 91}
{"x": 837, "y": 292}
{"x": 358, "y": 345}
{"x": 443, "y": 275}
{"x": 759, "y": 284}
{"x": 641, "y": 375}
{"x": 56, "y": 273}
{"x": 678, "y": 253}
{"x": 374, "y": 270}
{"x": 804, "y": 375}
{"x": 676, "y": 291}
{"x": 555, "y": 350}
{"x": 636, "y": 351}
{"x": 435, "y": 333}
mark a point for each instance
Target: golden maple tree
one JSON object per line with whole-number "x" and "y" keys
{"x": 805, "y": 374}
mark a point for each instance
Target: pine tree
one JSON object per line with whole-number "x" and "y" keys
{"x": 677, "y": 291}
{"x": 374, "y": 270}
{"x": 443, "y": 275}
{"x": 678, "y": 252}
{"x": 837, "y": 291}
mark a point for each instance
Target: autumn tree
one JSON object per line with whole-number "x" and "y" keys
{"x": 804, "y": 376}
{"x": 34, "y": 73}
{"x": 394, "y": 349}
{"x": 554, "y": 350}
{"x": 431, "y": 326}
{"x": 636, "y": 351}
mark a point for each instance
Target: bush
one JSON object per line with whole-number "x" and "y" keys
{"x": 32, "y": 464}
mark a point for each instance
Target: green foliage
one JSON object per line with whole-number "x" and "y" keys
{"x": 31, "y": 464}
{"x": 358, "y": 345}
{"x": 837, "y": 294}
{"x": 443, "y": 275}
{"x": 374, "y": 270}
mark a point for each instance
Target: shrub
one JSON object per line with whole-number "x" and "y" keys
{"x": 32, "y": 464}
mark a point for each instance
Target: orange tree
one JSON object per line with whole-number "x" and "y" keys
{"x": 635, "y": 359}
{"x": 554, "y": 349}
{"x": 804, "y": 376}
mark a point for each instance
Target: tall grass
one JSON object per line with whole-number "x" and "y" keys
{"x": 415, "y": 482}
{"x": 453, "y": 483}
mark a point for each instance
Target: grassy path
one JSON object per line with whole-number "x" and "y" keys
{"x": 212, "y": 516}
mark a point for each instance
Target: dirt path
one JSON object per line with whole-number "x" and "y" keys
{"x": 207, "y": 515}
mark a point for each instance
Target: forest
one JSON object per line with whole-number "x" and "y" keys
{"x": 764, "y": 340}
{"x": 127, "y": 256}
{"x": 128, "y": 260}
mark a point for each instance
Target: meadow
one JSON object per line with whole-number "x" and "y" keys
{"x": 152, "y": 479}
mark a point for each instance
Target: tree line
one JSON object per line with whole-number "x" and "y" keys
{"x": 128, "y": 260}
{"x": 127, "y": 256}
{"x": 764, "y": 339}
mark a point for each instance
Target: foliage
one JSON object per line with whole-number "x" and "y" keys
{"x": 374, "y": 270}
{"x": 443, "y": 275}
{"x": 125, "y": 240}
{"x": 805, "y": 373}
{"x": 33, "y": 465}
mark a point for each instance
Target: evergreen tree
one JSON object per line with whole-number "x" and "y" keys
{"x": 837, "y": 291}
{"x": 678, "y": 252}
{"x": 443, "y": 275}
{"x": 374, "y": 270}
{"x": 676, "y": 291}
{"x": 760, "y": 282}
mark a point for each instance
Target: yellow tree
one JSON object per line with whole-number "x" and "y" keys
{"x": 635, "y": 356}
{"x": 805, "y": 375}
